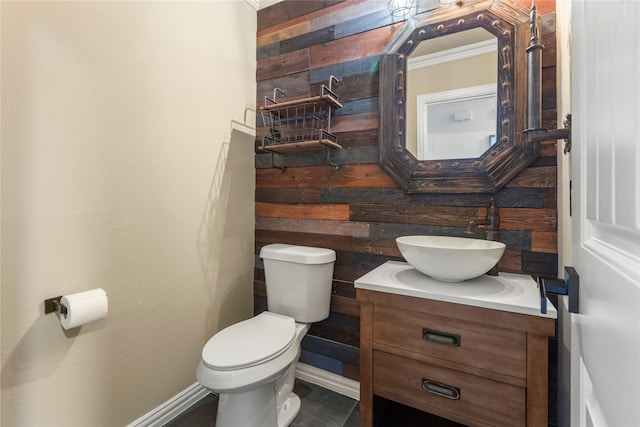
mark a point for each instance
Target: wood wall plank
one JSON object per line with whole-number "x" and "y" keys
{"x": 544, "y": 177}
{"x": 353, "y": 47}
{"x": 356, "y": 122}
{"x": 367, "y": 137}
{"x": 280, "y": 195}
{"x": 284, "y": 14}
{"x": 378, "y": 246}
{"x": 283, "y": 65}
{"x": 316, "y": 211}
{"x": 544, "y": 241}
{"x": 354, "y": 10}
{"x": 549, "y": 148}
{"x": 275, "y": 36}
{"x": 349, "y": 176}
{"x": 333, "y": 349}
{"x": 342, "y": 228}
{"x": 358, "y": 210}
{"x": 511, "y": 261}
{"x": 351, "y": 371}
{"x": 540, "y": 263}
{"x": 345, "y": 305}
{"x": 331, "y": 241}
{"x": 413, "y": 214}
{"x": 297, "y": 86}
{"x": 528, "y": 219}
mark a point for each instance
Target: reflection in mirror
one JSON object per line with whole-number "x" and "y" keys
{"x": 452, "y": 96}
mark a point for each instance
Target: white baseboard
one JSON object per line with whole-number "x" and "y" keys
{"x": 172, "y": 408}
{"x": 175, "y": 406}
{"x": 330, "y": 381}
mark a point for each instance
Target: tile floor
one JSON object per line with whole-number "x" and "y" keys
{"x": 320, "y": 408}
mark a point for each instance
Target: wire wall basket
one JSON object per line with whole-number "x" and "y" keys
{"x": 302, "y": 124}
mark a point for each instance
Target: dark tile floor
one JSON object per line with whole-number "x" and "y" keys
{"x": 320, "y": 408}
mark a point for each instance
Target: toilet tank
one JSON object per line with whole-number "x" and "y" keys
{"x": 298, "y": 280}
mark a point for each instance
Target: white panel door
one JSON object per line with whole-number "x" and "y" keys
{"x": 605, "y": 347}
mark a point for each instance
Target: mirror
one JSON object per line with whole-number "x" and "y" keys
{"x": 453, "y": 99}
{"x": 452, "y": 96}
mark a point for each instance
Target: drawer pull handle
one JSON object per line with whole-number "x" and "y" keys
{"x": 448, "y": 391}
{"x": 441, "y": 337}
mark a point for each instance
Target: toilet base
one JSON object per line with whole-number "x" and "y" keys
{"x": 289, "y": 410}
{"x": 256, "y": 408}
{"x": 253, "y": 408}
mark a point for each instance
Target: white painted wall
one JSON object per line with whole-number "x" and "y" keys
{"x": 119, "y": 170}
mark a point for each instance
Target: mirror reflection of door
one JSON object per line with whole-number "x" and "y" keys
{"x": 451, "y": 96}
{"x": 456, "y": 124}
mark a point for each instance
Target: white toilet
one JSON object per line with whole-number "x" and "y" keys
{"x": 252, "y": 364}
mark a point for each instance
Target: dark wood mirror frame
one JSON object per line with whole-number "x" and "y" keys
{"x": 508, "y": 21}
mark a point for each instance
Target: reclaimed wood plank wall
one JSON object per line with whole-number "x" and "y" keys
{"x": 358, "y": 210}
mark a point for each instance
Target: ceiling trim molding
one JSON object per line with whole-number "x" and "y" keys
{"x": 263, "y": 4}
{"x": 254, "y": 3}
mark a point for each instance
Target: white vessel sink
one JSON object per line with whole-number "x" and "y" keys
{"x": 450, "y": 259}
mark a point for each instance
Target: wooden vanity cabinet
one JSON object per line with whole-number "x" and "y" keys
{"x": 472, "y": 365}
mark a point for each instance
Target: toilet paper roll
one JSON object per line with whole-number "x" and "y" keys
{"x": 83, "y": 308}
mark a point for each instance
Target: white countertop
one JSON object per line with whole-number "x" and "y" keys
{"x": 517, "y": 293}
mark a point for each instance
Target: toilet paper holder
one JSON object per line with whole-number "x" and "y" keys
{"x": 53, "y": 305}
{"x": 75, "y": 310}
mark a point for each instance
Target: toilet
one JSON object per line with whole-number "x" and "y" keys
{"x": 251, "y": 365}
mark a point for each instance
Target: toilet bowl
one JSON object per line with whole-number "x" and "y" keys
{"x": 251, "y": 364}
{"x": 247, "y": 364}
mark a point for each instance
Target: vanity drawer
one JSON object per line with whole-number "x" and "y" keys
{"x": 448, "y": 393}
{"x": 472, "y": 344}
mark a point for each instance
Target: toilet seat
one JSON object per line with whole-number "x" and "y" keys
{"x": 250, "y": 342}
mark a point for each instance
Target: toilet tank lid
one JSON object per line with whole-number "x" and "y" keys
{"x": 298, "y": 254}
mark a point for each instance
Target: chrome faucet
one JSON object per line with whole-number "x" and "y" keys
{"x": 492, "y": 225}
